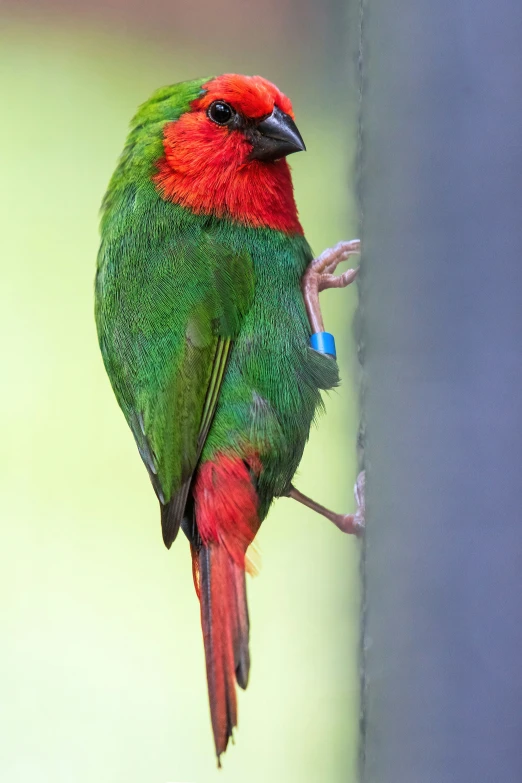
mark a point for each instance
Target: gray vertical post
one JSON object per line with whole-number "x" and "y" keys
{"x": 441, "y": 294}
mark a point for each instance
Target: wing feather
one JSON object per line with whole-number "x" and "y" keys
{"x": 172, "y": 512}
{"x": 169, "y": 307}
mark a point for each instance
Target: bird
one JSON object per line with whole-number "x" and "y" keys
{"x": 211, "y": 333}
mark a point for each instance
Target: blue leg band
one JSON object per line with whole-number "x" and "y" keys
{"x": 323, "y": 342}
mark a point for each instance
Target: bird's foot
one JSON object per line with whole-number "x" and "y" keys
{"x": 348, "y": 523}
{"x": 320, "y": 275}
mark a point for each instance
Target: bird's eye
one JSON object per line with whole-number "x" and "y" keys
{"x": 220, "y": 112}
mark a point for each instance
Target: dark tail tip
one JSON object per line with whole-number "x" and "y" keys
{"x": 241, "y": 626}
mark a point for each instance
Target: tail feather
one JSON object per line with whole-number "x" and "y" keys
{"x": 226, "y": 519}
{"x": 241, "y": 626}
{"x": 224, "y": 620}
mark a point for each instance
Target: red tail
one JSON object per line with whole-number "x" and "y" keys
{"x": 224, "y": 621}
{"x": 226, "y": 517}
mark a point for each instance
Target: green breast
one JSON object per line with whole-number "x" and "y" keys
{"x": 272, "y": 382}
{"x": 271, "y": 389}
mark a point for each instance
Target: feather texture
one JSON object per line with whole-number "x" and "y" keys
{"x": 205, "y": 338}
{"x": 226, "y": 512}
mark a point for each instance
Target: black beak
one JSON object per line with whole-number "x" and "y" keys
{"x": 275, "y": 137}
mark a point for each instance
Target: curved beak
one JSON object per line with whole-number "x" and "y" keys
{"x": 276, "y": 137}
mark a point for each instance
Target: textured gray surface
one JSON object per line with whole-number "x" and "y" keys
{"x": 442, "y": 299}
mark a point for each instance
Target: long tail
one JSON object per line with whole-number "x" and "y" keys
{"x": 224, "y": 621}
{"x": 227, "y": 521}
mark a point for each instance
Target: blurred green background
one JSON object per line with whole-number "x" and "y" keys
{"x": 102, "y": 675}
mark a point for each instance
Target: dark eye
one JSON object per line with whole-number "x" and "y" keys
{"x": 220, "y": 112}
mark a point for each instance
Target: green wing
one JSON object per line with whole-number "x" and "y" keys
{"x": 167, "y": 318}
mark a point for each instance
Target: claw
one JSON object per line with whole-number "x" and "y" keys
{"x": 319, "y": 276}
{"x": 354, "y": 523}
{"x": 330, "y": 259}
{"x": 337, "y": 281}
{"x": 359, "y": 492}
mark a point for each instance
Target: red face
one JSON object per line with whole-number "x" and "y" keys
{"x": 226, "y": 155}
{"x": 252, "y": 96}
{"x": 254, "y": 108}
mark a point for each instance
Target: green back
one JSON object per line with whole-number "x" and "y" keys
{"x": 181, "y": 297}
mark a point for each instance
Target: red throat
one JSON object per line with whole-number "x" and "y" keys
{"x": 205, "y": 167}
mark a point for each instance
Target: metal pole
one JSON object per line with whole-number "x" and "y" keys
{"x": 441, "y": 296}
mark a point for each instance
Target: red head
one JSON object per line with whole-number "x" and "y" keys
{"x": 226, "y": 155}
